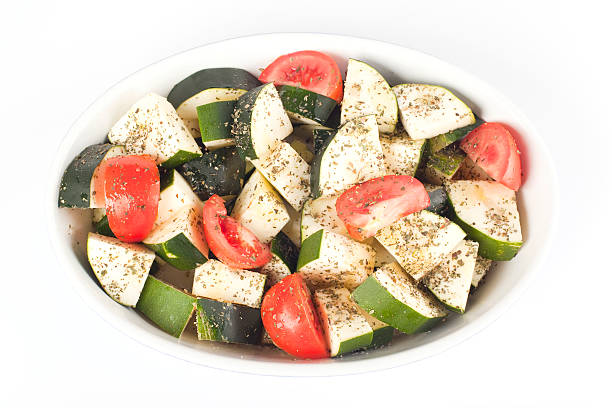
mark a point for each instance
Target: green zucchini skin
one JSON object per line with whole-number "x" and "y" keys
{"x": 310, "y": 252}
{"x": 215, "y": 120}
{"x": 286, "y": 250}
{"x": 74, "y": 191}
{"x": 187, "y": 256}
{"x": 306, "y": 104}
{"x": 211, "y": 78}
{"x": 320, "y": 136}
{"x": 241, "y": 128}
{"x": 315, "y": 168}
{"x": 179, "y": 158}
{"x": 103, "y": 228}
{"x": 381, "y": 337}
{"x": 439, "y": 142}
{"x": 228, "y": 322}
{"x": 217, "y": 172}
{"x": 334, "y": 118}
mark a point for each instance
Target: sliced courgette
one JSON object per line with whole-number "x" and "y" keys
{"x": 382, "y": 333}
{"x": 284, "y": 259}
{"x": 166, "y": 306}
{"x": 215, "y": 124}
{"x": 78, "y": 185}
{"x": 260, "y": 208}
{"x": 320, "y": 213}
{"x": 180, "y": 239}
{"x": 215, "y": 280}
{"x": 451, "y": 279}
{"x": 152, "y": 126}
{"x": 287, "y": 172}
{"x": 401, "y": 154}
{"x": 427, "y": 111}
{"x": 353, "y": 155}
{"x": 442, "y": 165}
{"x": 227, "y": 322}
{"x": 320, "y": 136}
{"x": 420, "y": 241}
{"x": 292, "y": 228}
{"x": 209, "y": 85}
{"x": 488, "y": 212}
{"x": 304, "y": 106}
{"x": 121, "y": 268}
{"x": 218, "y": 172}
{"x": 366, "y": 92}
{"x": 345, "y": 328}
{"x": 328, "y": 259}
{"x": 439, "y": 142}
{"x": 175, "y": 193}
{"x": 438, "y": 201}
{"x": 260, "y": 122}
{"x": 471, "y": 171}
{"x": 392, "y": 296}
{"x": 483, "y": 265}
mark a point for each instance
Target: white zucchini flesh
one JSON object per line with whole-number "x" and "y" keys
{"x": 382, "y": 255}
{"x": 427, "y": 111}
{"x": 483, "y": 265}
{"x": 470, "y": 171}
{"x": 487, "y": 206}
{"x": 215, "y": 280}
{"x": 320, "y": 213}
{"x": 401, "y": 154}
{"x": 353, "y": 156}
{"x": 288, "y": 173}
{"x": 152, "y": 126}
{"x": 188, "y": 109}
{"x": 340, "y": 318}
{"x": 175, "y": 197}
{"x": 403, "y": 288}
{"x": 260, "y": 209}
{"x": 450, "y": 281}
{"x": 293, "y": 227}
{"x": 340, "y": 260}
{"x": 275, "y": 270}
{"x": 420, "y": 241}
{"x": 121, "y": 268}
{"x": 366, "y": 92}
{"x": 193, "y": 126}
{"x": 188, "y": 221}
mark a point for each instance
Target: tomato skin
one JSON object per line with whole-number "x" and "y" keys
{"x": 232, "y": 244}
{"x": 131, "y": 192}
{"x": 374, "y": 204}
{"x": 492, "y": 147}
{"x": 290, "y": 318}
{"x": 311, "y": 70}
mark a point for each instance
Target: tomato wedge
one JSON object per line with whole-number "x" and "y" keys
{"x": 131, "y": 193}
{"x": 232, "y": 244}
{"x": 370, "y": 206}
{"x": 492, "y": 147}
{"x": 290, "y": 319}
{"x": 311, "y": 70}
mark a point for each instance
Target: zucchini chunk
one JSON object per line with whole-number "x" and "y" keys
{"x": 427, "y": 111}
{"x": 439, "y": 142}
{"x": 166, "y": 306}
{"x": 151, "y": 126}
{"x": 328, "y": 259}
{"x": 488, "y": 212}
{"x": 193, "y": 126}
{"x": 420, "y": 241}
{"x": 401, "y": 154}
{"x": 320, "y": 136}
{"x": 78, "y": 185}
{"x": 366, "y": 92}
{"x": 287, "y": 172}
{"x": 353, "y": 155}
{"x": 284, "y": 259}
{"x": 346, "y": 329}
{"x": 209, "y": 85}
{"x": 304, "y": 106}
{"x": 471, "y": 171}
{"x": 215, "y": 124}
{"x": 394, "y": 297}
{"x": 382, "y": 255}
{"x": 450, "y": 280}
{"x": 382, "y": 333}
{"x": 215, "y": 280}
{"x": 483, "y": 265}
{"x": 218, "y": 172}
{"x": 260, "y": 208}
{"x": 227, "y": 322}
{"x": 293, "y": 227}
{"x": 180, "y": 240}
{"x": 442, "y": 165}
{"x": 319, "y": 214}
{"x": 438, "y": 201}
{"x": 260, "y": 122}
{"x": 175, "y": 194}
{"x": 120, "y": 267}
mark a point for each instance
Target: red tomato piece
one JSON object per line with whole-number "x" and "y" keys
{"x": 311, "y": 70}
{"x": 492, "y": 147}
{"x": 232, "y": 244}
{"x": 370, "y": 206}
{"x": 131, "y": 191}
{"x": 290, "y": 319}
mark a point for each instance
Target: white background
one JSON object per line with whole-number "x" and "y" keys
{"x": 552, "y": 59}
